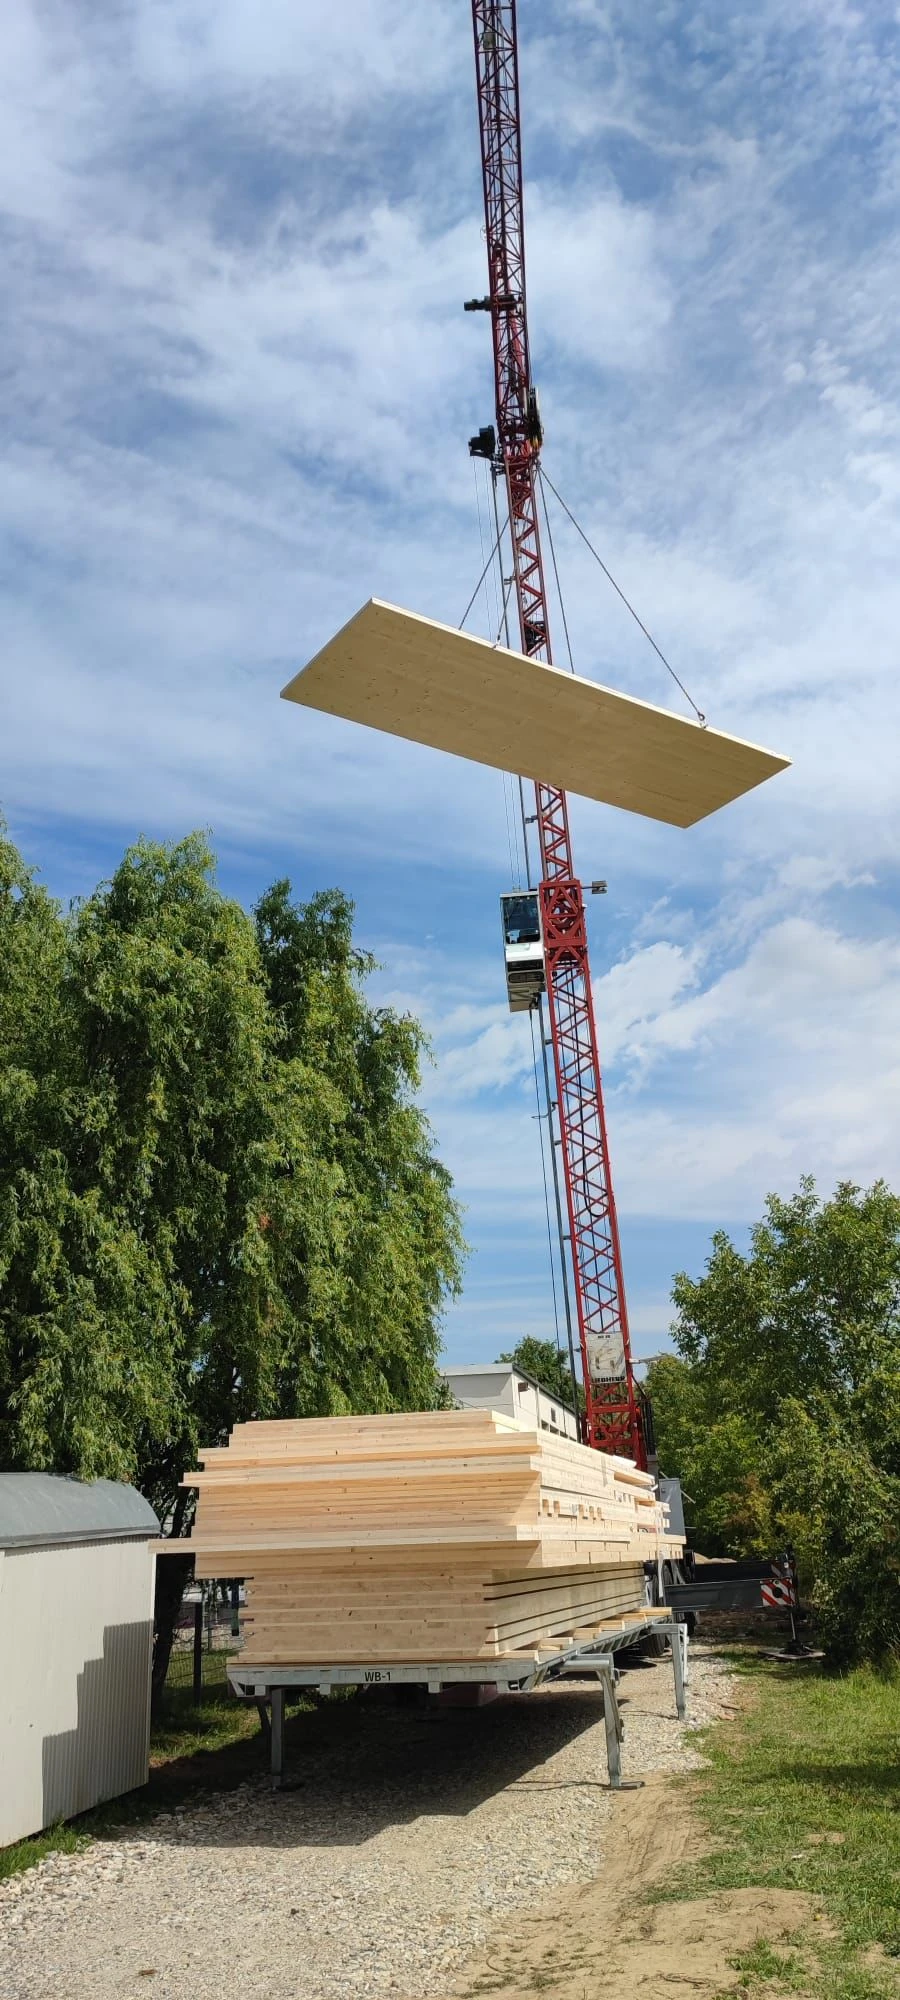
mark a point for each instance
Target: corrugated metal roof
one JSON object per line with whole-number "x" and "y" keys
{"x": 38, "y": 1509}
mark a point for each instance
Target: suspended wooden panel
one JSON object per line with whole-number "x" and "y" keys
{"x": 411, "y": 677}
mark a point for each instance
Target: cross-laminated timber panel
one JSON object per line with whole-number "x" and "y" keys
{"x": 452, "y": 1613}
{"x": 442, "y": 1480}
{"x": 463, "y": 1535}
{"x": 411, "y": 677}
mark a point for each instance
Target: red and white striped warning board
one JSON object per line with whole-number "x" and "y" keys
{"x": 778, "y": 1593}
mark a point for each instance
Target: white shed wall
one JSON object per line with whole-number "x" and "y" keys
{"x": 76, "y": 1626}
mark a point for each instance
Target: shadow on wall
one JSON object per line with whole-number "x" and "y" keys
{"x": 107, "y": 1752}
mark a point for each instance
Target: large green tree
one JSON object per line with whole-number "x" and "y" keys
{"x": 77, "y": 1290}
{"x": 781, "y": 1410}
{"x": 218, "y": 1194}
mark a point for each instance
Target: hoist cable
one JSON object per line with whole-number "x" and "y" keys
{"x": 504, "y": 629}
{"x": 540, "y": 1125}
{"x": 564, "y": 1273}
{"x": 503, "y": 626}
{"x": 562, "y": 608}
{"x": 701, "y": 718}
{"x": 481, "y": 578}
{"x": 508, "y": 809}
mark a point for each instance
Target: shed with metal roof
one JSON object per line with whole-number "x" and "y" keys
{"x": 76, "y": 1627}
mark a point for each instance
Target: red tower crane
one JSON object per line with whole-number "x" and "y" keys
{"x": 613, "y": 1418}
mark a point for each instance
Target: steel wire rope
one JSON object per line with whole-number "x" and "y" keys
{"x": 546, "y": 1072}
{"x": 545, "y": 478}
{"x": 540, "y": 1125}
{"x": 512, "y": 845}
{"x": 483, "y": 573}
{"x": 506, "y": 585}
{"x": 491, "y": 604}
{"x": 562, "y": 608}
{"x": 503, "y": 626}
{"x": 582, "y": 1114}
{"x": 504, "y": 629}
{"x": 523, "y": 817}
{"x": 565, "y": 623}
{"x": 488, "y": 579}
{"x": 563, "y": 1267}
{"x": 499, "y": 620}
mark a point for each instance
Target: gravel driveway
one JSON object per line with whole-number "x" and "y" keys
{"x": 408, "y": 1835}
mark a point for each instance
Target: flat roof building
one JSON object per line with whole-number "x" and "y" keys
{"x": 499, "y": 1385}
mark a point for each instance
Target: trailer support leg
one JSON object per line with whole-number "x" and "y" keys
{"x": 679, "y": 1642}
{"x": 277, "y": 1738}
{"x": 613, "y": 1721}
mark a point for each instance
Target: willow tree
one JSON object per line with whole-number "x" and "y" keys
{"x": 219, "y": 1197}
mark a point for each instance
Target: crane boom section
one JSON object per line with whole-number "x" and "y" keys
{"x": 612, "y": 1420}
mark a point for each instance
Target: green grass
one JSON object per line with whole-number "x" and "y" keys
{"x": 24, "y": 1853}
{"x": 804, "y": 1793}
{"x": 184, "y": 1730}
{"x": 763, "y": 1965}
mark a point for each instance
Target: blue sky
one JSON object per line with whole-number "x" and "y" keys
{"x": 237, "y": 387}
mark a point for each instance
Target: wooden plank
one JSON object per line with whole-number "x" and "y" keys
{"x": 411, "y": 677}
{"x": 439, "y": 1623}
{"x": 445, "y": 1535}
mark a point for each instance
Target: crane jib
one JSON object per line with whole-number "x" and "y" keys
{"x": 612, "y": 1419}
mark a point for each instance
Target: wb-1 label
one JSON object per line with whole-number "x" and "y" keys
{"x": 375, "y": 1674}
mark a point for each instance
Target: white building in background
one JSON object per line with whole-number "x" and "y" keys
{"x": 498, "y": 1385}
{"x": 76, "y": 1629}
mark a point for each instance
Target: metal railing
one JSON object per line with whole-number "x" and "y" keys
{"x": 207, "y": 1635}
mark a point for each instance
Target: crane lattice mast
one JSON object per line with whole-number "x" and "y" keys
{"x": 613, "y": 1417}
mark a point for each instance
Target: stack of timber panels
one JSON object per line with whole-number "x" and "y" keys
{"x": 447, "y": 1535}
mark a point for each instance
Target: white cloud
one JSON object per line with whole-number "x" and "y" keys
{"x": 602, "y": 259}
{"x": 638, "y": 991}
{"x": 343, "y": 53}
{"x": 723, "y": 1081}
{"x": 499, "y": 1055}
{"x": 785, "y": 1064}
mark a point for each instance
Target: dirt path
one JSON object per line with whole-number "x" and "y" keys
{"x": 602, "y": 1941}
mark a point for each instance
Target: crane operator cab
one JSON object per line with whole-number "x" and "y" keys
{"x": 523, "y": 949}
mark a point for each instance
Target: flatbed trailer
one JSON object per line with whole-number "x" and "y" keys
{"x": 269, "y": 1686}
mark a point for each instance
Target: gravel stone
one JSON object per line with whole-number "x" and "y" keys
{"x": 378, "y": 1873}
